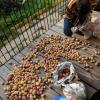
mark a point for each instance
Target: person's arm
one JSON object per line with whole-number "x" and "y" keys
{"x": 70, "y": 9}
{"x": 71, "y": 3}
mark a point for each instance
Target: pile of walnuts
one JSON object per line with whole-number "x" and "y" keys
{"x": 27, "y": 82}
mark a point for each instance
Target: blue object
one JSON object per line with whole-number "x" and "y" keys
{"x": 67, "y": 27}
{"x": 60, "y": 98}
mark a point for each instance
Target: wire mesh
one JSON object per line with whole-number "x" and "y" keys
{"x": 21, "y": 23}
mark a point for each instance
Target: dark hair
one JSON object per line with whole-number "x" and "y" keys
{"x": 83, "y": 7}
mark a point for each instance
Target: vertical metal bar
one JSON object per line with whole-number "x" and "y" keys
{"x": 8, "y": 52}
{"x": 24, "y": 22}
{"x": 5, "y": 48}
{"x": 65, "y": 3}
{"x": 32, "y": 20}
{"x": 64, "y": 6}
{"x": 52, "y": 12}
{"x": 17, "y": 34}
{"x": 3, "y": 55}
{"x": 61, "y": 4}
{"x": 28, "y": 19}
{"x": 57, "y": 10}
{"x": 11, "y": 34}
{"x": 0, "y": 65}
{"x": 20, "y": 28}
{"x": 55, "y": 1}
{"x": 43, "y": 12}
{"x": 24, "y": 26}
{"x": 46, "y": 14}
{"x": 39, "y": 16}
{"x": 49, "y": 14}
{"x": 38, "y": 13}
{"x": 36, "y": 20}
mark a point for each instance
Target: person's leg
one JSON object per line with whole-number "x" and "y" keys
{"x": 67, "y": 27}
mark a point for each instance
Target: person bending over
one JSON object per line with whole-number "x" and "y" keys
{"x": 77, "y": 13}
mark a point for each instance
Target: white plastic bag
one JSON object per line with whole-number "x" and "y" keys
{"x": 75, "y": 91}
{"x": 69, "y": 78}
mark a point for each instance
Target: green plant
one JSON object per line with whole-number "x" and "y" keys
{"x": 7, "y": 21}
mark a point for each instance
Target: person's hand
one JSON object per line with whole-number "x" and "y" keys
{"x": 97, "y": 21}
{"x": 64, "y": 16}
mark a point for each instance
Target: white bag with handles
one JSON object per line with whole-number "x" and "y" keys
{"x": 73, "y": 89}
{"x": 60, "y": 67}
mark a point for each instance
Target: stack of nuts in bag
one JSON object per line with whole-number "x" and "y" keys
{"x": 63, "y": 73}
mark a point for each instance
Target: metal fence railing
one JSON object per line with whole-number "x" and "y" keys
{"x": 21, "y": 21}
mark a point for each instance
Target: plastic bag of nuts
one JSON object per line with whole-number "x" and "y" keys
{"x": 75, "y": 91}
{"x": 65, "y": 71}
{"x": 66, "y": 76}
